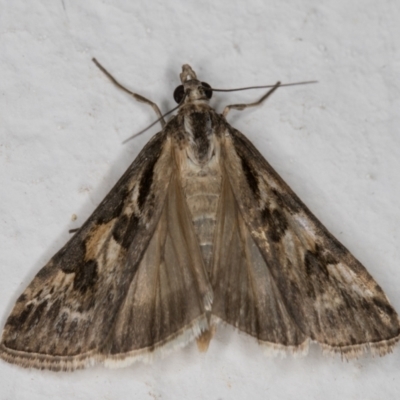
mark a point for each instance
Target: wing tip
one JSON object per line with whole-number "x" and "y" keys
{"x": 43, "y": 362}
{"x": 350, "y": 352}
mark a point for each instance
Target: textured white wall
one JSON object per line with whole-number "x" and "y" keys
{"x": 336, "y": 143}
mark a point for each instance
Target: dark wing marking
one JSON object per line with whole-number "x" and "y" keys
{"x": 70, "y": 315}
{"x": 329, "y": 295}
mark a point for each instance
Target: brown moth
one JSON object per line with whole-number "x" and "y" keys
{"x": 200, "y": 229}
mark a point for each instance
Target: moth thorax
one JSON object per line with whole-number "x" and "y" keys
{"x": 201, "y": 140}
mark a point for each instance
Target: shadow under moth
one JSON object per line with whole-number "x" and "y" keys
{"x": 199, "y": 230}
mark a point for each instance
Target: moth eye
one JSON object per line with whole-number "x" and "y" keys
{"x": 179, "y": 92}
{"x": 209, "y": 92}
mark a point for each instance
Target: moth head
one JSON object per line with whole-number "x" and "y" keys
{"x": 191, "y": 88}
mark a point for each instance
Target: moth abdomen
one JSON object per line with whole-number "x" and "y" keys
{"x": 202, "y": 189}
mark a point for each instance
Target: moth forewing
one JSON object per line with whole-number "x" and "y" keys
{"x": 199, "y": 229}
{"x": 328, "y": 294}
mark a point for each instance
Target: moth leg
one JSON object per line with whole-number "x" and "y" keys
{"x": 241, "y": 107}
{"x": 136, "y": 96}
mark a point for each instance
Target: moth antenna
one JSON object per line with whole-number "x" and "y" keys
{"x": 261, "y": 87}
{"x": 136, "y": 96}
{"x": 215, "y": 90}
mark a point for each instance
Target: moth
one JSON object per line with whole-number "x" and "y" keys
{"x": 199, "y": 230}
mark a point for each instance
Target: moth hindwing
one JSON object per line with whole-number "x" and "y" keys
{"x": 199, "y": 229}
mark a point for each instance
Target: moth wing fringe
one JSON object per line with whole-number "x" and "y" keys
{"x": 270, "y": 349}
{"x": 40, "y": 361}
{"x": 356, "y": 351}
{"x": 70, "y": 363}
{"x": 347, "y": 353}
{"x": 147, "y": 355}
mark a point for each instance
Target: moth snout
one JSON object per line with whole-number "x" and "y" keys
{"x": 187, "y": 73}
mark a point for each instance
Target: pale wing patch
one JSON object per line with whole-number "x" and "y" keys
{"x": 99, "y": 236}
